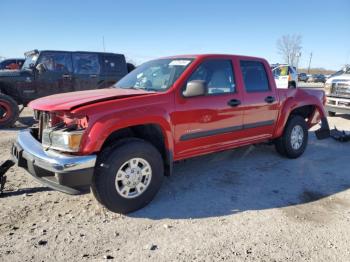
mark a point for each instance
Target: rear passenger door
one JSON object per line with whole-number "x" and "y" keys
{"x": 87, "y": 70}
{"x": 259, "y": 100}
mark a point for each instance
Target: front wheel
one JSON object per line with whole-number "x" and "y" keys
{"x": 8, "y": 111}
{"x": 293, "y": 142}
{"x": 128, "y": 176}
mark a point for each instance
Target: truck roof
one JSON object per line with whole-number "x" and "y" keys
{"x": 214, "y": 55}
{"x": 63, "y": 51}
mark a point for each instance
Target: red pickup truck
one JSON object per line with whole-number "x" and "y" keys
{"x": 121, "y": 141}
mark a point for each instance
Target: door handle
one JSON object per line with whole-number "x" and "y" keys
{"x": 234, "y": 102}
{"x": 66, "y": 76}
{"x": 270, "y": 99}
{"x": 93, "y": 76}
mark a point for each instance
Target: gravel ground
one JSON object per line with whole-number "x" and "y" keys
{"x": 247, "y": 204}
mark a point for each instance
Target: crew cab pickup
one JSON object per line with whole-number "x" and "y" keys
{"x": 49, "y": 72}
{"x": 122, "y": 141}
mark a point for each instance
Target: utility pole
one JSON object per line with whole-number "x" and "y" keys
{"x": 308, "y": 70}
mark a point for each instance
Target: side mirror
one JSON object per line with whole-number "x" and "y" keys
{"x": 195, "y": 88}
{"x": 41, "y": 68}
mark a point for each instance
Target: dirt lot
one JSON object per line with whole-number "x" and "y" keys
{"x": 241, "y": 205}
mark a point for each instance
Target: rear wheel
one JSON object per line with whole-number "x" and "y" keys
{"x": 8, "y": 111}
{"x": 330, "y": 113}
{"x": 128, "y": 176}
{"x": 293, "y": 142}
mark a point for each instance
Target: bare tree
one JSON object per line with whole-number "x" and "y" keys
{"x": 289, "y": 46}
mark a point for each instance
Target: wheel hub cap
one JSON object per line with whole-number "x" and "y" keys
{"x": 297, "y": 137}
{"x": 133, "y": 178}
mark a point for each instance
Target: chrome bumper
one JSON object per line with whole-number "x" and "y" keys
{"x": 66, "y": 173}
{"x": 338, "y": 105}
{"x": 51, "y": 160}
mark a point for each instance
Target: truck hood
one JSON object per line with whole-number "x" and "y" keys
{"x": 10, "y": 73}
{"x": 72, "y": 100}
{"x": 343, "y": 78}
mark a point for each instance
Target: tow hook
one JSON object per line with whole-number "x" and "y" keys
{"x": 4, "y": 167}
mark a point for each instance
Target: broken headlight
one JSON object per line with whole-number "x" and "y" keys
{"x": 62, "y": 139}
{"x": 65, "y": 136}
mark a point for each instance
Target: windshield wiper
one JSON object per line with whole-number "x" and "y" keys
{"x": 139, "y": 88}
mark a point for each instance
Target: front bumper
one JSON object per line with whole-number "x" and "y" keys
{"x": 66, "y": 173}
{"x": 338, "y": 105}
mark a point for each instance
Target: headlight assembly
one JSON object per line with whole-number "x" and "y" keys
{"x": 327, "y": 88}
{"x": 63, "y": 139}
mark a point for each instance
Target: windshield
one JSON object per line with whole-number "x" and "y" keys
{"x": 156, "y": 75}
{"x": 31, "y": 59}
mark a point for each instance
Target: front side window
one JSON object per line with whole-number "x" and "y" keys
{"x": 280, "y": 71}
{"x": 156, "y": 75}
{"x": 86, "y": 64}
{"x": 254, "y": 76}
{"x": 218, "y": 74}
{"x": 56, "y": 62}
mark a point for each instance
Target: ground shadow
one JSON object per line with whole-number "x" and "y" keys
{"x": 22, "y": 191}
{"x": 22, "y": 123}
{"x": 250, "y": 178}
{"x": 345, "y": 116}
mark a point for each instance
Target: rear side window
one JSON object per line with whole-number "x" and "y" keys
{"x": 114, "y": 64}
{"x": 86, "y": 64}
{"x": 254, "y": 76}
{"x": 218, "y": 74}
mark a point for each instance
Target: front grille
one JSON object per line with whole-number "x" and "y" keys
{"x": 44, "y": 119}
{"x": 341, "y": 89}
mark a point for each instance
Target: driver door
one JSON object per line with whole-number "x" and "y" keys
{"x": 54, "y": 74}
{"x": 213, "y": 121}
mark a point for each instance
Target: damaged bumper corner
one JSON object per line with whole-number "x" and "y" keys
{"x": 324, "y": 132}
{"x": 62, "y": 172}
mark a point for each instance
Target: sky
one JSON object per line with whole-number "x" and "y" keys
{"x": 144, "y": 30}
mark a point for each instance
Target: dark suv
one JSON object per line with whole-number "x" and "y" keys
{"x": 51, "y": 72}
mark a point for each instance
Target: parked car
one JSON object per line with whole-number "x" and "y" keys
{"x": 337, "y": 89}
{"x": 302, "y": 77}
{"x": 285, "y": 75}
{"x": 11, "y": 64}
{"x": 122, "y": 141}
{"x": 51, "y": 72}
{"x": 317, "y": 78}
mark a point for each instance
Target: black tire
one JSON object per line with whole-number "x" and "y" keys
{"x": 9, "y": 111}
{"x": 330, "y": 113}
{"x": 110, "y": 160}
{"x": 283, "y": 144}
{"x": 292, "y": 85}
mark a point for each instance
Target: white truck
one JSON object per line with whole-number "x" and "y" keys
{"x": 337, "y": 89}
{"x": 285, "y": 75}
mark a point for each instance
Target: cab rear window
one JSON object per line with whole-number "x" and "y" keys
{"x": 254, "y": 76}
